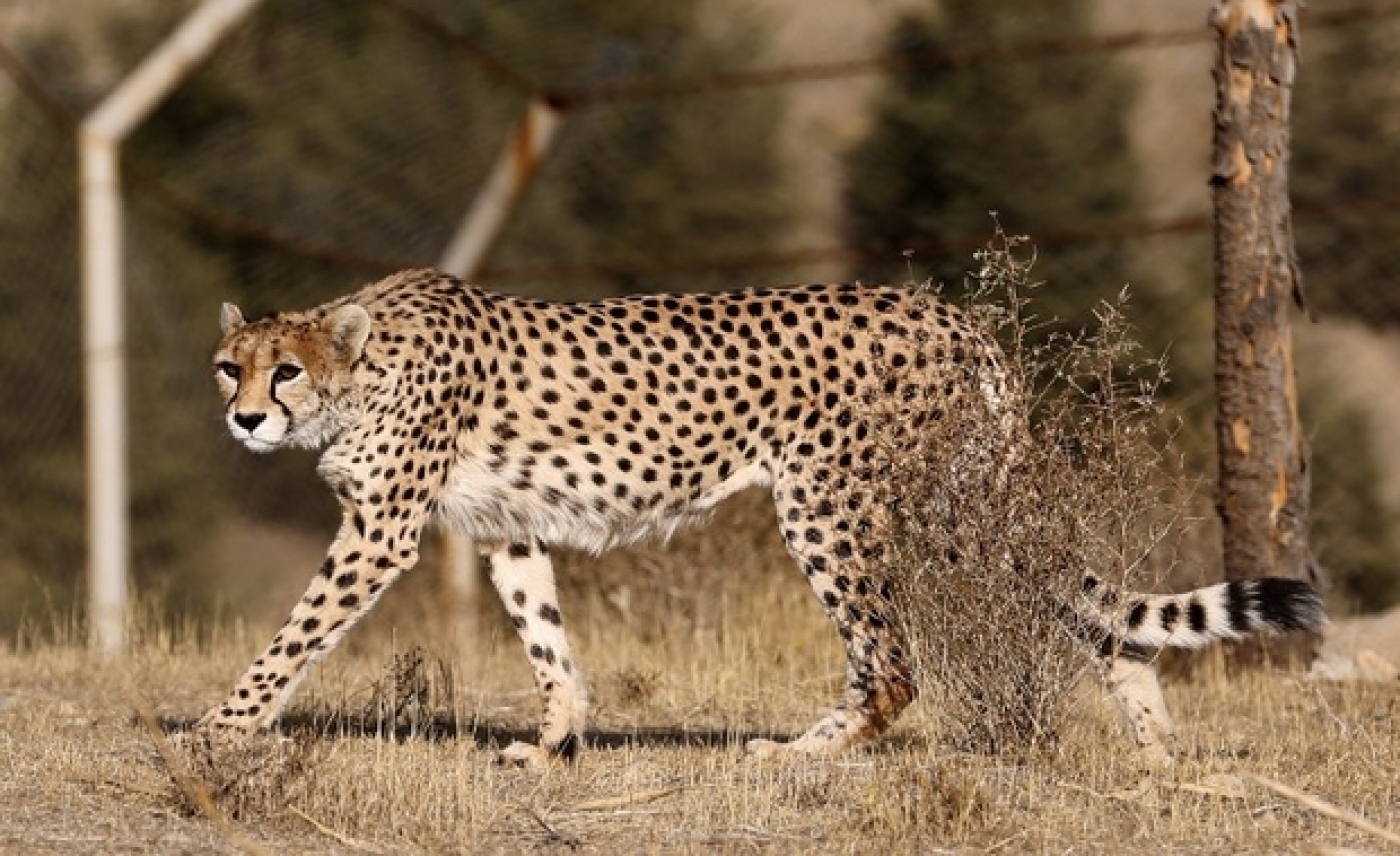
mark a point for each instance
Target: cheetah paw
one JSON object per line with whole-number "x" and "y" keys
{"x": 201, "y": 739}
{"x": 760, "y": 749}
{"x": 1157, "y": 755}
{"x": 527, "y": 756}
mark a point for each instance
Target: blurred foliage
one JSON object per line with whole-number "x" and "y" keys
{"x": 41, "y": 522}
{"x": 1346, "y": 129}
{"x": 950, "y": 145}
{"x": 1354, "y": 531}
{"x": 323, "y": 146}
{"x": 1346, "y": 111}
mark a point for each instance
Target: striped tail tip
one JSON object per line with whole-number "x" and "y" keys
{"x": 1274, "y": 604}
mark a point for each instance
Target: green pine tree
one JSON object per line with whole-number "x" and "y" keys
{"x": 1354, "y": 529}
{"x": 1346, "y": 191}
{"x": 1041, "y": 142}
{"x": 1346, "y": 128}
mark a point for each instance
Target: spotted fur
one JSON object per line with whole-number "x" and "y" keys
{"x": 525, "y": 424}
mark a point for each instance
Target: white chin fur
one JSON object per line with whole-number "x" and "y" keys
{"x": 252, "y": 440}
{"x": 257, "y": 445}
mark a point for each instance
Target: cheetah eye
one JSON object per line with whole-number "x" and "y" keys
{"x": 286, "y": 372}
{"x": 229, "y": 370}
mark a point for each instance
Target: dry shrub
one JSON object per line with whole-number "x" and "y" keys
{"x": 245, "y": 777}
{"x": 415, "y": 691}
{"x": 256, "y": 776}
{"x": 999, "y": 507}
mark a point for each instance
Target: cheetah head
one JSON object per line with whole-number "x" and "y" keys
{"x": 285, "y": 379}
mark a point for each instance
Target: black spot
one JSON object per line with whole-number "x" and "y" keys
{"x": 519, "y": 551}
{"x": 551, "y": 614}
{"x": 1196, "y": 616}
{"x": 1169, "y": 615}
{"x": 1136, "y": 615}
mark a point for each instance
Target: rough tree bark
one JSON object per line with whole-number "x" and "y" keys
{"x": 1264, "y": 482}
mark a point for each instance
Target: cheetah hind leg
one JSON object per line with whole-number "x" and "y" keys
{"x": 878, "y": 689}
{"x": 879, "y": 685}
{"x": 524, "y": 577}
{"x": 1132, "y": 681}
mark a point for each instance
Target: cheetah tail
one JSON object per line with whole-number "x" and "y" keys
{"x": 1196, "y": 618}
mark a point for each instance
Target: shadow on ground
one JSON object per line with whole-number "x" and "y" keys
{"x": 489, "y": 735}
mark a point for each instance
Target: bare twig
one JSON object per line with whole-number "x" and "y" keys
{"x": 1008, "y": 840}
{"x": 563, "y": 838}
{"x": 1324, "y": 808}
{"x": 626, "y": 800}
{"x": 334, "y": 834}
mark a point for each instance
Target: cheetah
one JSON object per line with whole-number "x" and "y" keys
{"x": 528, "y": 425}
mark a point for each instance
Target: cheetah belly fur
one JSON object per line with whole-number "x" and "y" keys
{"x": 525, "y": 424}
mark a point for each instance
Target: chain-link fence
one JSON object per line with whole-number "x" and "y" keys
{"x": 704, "y": 145}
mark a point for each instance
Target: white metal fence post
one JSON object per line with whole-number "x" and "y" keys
{"x": 104, "y": 338}
{"x": 105, "y": 392}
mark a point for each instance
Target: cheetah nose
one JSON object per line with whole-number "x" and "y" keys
{"x": 249, "y": 421}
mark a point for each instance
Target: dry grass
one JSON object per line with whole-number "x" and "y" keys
{"x": 664, "y": 772}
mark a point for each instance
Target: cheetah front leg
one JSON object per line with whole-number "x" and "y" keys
{"x": 524, "y": 577}
{"x": 373, "y": 549}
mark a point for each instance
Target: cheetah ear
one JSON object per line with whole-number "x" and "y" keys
{"x": 230, "y": 318}
{"x": 349, "y": 329}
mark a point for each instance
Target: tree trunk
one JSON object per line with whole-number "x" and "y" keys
{"x": 1263, "y": 455}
